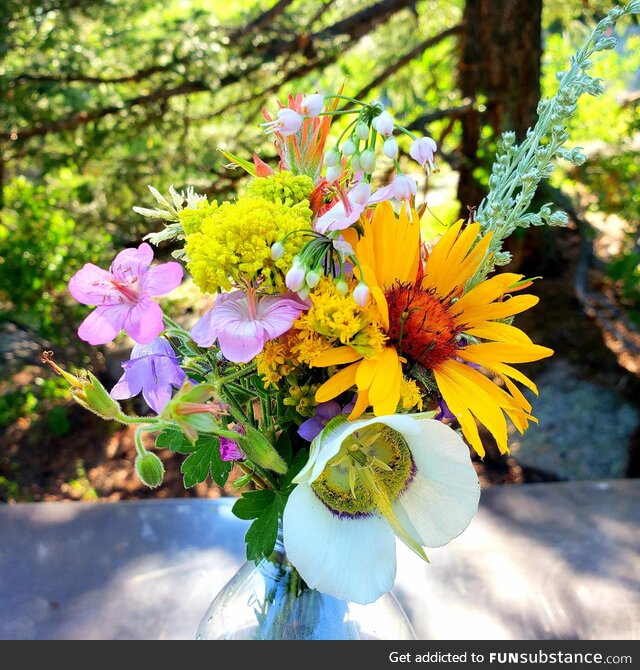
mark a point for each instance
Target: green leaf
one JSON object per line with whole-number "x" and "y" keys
{"x": 219, "y": 469}
{"x": 299, "y": 461}
{"x": 284, "y": 447}
{"x": 263, "y": 532}
{"x": 200, "y": 462}
{"x": 248, "y": 166}
{"x": 174, "y": 439}
{"x": 253, "y": 503}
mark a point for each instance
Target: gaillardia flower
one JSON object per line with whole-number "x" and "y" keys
{"x": 366, "y": 482}
{"x": 431, "y": 322}
{"x": 123, "y": 296}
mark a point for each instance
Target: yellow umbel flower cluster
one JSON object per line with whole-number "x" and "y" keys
{"x": 234, "y": 243}
{"x": 338, "y": 318}
{"x": 282, "y": 187}
{"x": 191, "y": 218}
{"x": 410, "y": 395}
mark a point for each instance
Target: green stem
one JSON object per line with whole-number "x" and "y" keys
{"x": 237, "y": 374}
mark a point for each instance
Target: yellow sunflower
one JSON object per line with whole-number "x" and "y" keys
{"x": 432, "y": 323}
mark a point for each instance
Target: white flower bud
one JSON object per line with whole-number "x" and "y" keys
{"x": 277, "y": 251}
{"x": 362, "y": 130}
{"x": 333, "y": 172}
{"x": 384, "y": 123}
{"x": 422, "y": 151}
{"x": 312, "y": 104}
{"x": 361, "y": 294}
{"x": 295, "y": 278}
{"x": 312, "y": 278}
{"x": 367, "y": 160}
{"x": 390, "y": 148}
{"x": 332, "y": 158}
{"x": 349, "y": 148}
{"x": 341, "y": 286}
{"x": 404, "y": 187}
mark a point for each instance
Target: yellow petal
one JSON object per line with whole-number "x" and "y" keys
{"x": 362, "y": 402}
{"x": 500, "y": 332}
{"x": 477, "y": 313}
{"x": 336, "y": 356}
{"x": 339, "y": 383}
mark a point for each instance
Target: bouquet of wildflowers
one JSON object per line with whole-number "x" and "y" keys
{"x": 344, "y": 348}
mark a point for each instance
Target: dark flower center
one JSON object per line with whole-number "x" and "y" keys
{"x": 422, "y": 324}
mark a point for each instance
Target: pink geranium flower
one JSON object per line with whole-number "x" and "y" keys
{"x": 242, "y": 322}
{"x": 123, "y": 296}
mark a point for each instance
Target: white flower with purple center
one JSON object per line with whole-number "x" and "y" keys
{"x": 152, "y": 369}
{"x": 365, "y": 483}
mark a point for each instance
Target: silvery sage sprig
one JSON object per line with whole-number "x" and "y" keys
{"x": 519, "y": 168}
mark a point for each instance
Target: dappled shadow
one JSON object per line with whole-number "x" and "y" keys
{"x": 144, "y": 569}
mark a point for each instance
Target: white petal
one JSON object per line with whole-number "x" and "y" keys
{"x": 327, "y": 444}
{"x": 350, "y": 559}
{"x": 443, "y": 496}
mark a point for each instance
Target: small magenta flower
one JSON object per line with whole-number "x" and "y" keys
{"x": 229, "y": 450}
{"x": 242, "y": 322}
{"x": 153, "y": 369}
{"x": 123, "y": 296}
{"x": 383, "y": 123}
{"x": 422, "y": 150}
{"x": 288, "y": 122}
{"x": 312, "y": 104}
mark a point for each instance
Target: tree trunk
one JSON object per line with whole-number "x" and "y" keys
{"x": 500, "y": 52}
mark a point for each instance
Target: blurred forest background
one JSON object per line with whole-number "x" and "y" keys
{"x": 100, "y": 98}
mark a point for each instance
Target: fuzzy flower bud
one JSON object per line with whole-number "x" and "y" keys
{"x": 150, "y": 469}
{"x": 333, "y": 172}
{"x": 367, "y": 161}
{"x": 362, "y": 130}
{"x": 87, "y": 391}
{"x": 361, "y": 294}
{"x": 332, "y": 158}
{"x": 404, "y": 187}
{"x": 349, "y": 147}
{"x": 390, "y": 148}
{"x": 277, "y": 251}
{"x": 312, "y": 104}
{"x": 422, "y": 151}
{"x": 384, "y": 123}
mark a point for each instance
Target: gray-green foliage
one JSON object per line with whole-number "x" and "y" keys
{"x": 518, "y": 169}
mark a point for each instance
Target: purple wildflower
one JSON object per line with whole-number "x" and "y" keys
{"x": 153, "y": 369}
{"x": 123, "y": 296}
{"x": 325, "y": 411}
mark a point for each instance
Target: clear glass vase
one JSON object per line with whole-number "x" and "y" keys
{"x": 268, "y": 600}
